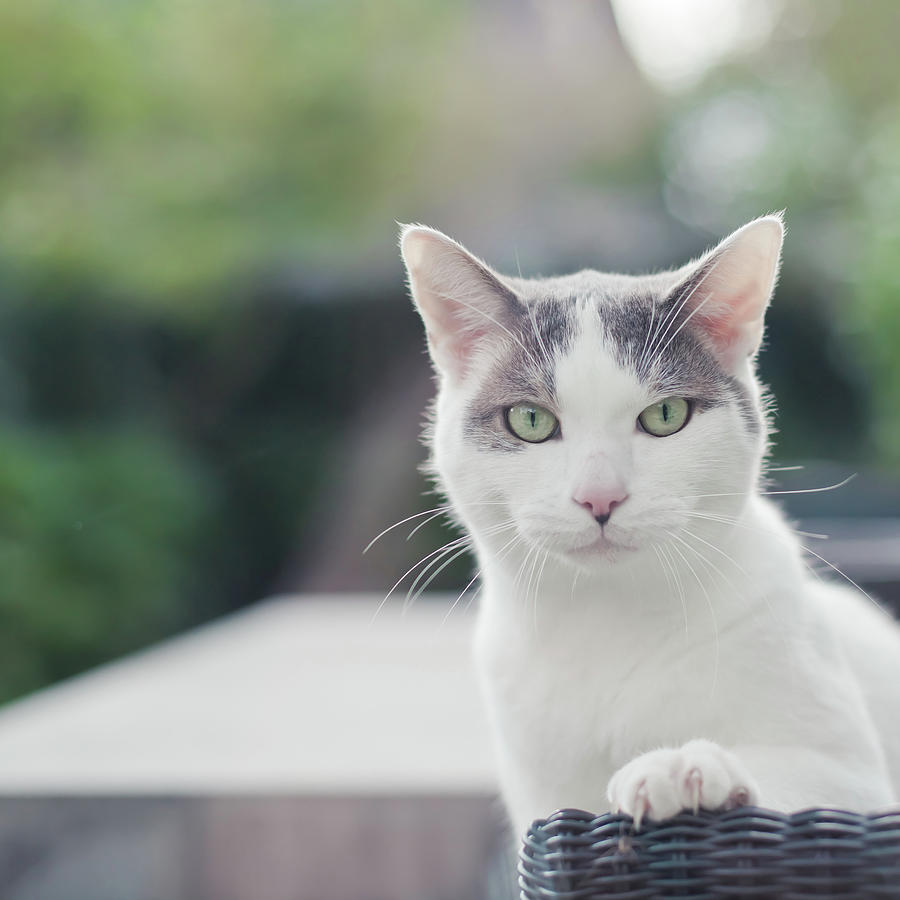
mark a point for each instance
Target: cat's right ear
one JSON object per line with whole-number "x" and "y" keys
{"x": 460, "y": 299}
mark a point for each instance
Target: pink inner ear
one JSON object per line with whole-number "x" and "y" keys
{"x": 732, "y": 339}
{"x": 455, "y": 346}
{"x": 733, "y": 322}
{"x": 734, "y": 288}
{"x": 722, "y": 332}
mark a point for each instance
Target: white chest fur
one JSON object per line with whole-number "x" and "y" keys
{"x": 578, "y": 683}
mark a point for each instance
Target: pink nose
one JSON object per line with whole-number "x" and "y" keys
{"x": 600, "y": 502}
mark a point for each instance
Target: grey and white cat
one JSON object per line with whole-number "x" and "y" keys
{"x": 649, "y": 637}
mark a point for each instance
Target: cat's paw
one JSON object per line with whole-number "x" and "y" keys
{"x": 700, "y": 774}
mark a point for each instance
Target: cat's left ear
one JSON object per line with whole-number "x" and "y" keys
{"x": 727, "y": 292}
{"x": 463, "y": 303}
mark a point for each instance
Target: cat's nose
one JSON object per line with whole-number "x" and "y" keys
{"x": 600, "y": 503}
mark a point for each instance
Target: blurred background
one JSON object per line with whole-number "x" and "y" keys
{"x": 211, "y": 377}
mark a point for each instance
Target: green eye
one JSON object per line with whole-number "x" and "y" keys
{"x": 531, "y": 423}
{"x": 666, "y": 417}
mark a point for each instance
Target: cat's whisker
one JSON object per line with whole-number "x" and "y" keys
{"x": 847, "y": 578}
{"x": 449, "y": 547}
{"x": 663, "y": 565}
{"x": 574, "y": 583}
{"x": 537, "y": 587}
{"x": 472, "y": 598}
{"x": 540, "y": 341}
{"x": 534, "y": 555}
{"x": 530, "y": 579}
{"x": 729, "y": 520}
{"x": 732, "y": 521}
{"x": 639, "y": 366}
{"x": 740, "y": 595}
{"x": 425, "y": 522}
{"x": 452, "y": 545}
{"x": 411, "y": 597}
{"x": 462, "y": 594}
{"x": 475, "y": 577}
{"x": 662, "y": 322}
{"x": 687, "y": 319}
{"x": 736, "y": 564}
{"x": 712, "y": 612}
{"x": 413, "y": 593}
{"x": 427, "y": 575}
{"x": 676, "y": 311}
{"x": 818, "y": 490}
{"x": 738, "y": 522}
{"x": 521, "y": 569}
{"x": 434, "y": 512}
{"x": 708, "y": 565}
{"x": 718, "y": 550}
{"x": 678, "y": 585}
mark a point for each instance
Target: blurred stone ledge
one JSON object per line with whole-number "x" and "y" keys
{"x": 305, "y": 747}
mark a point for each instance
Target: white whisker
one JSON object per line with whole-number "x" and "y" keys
{"x": 436, "y": 511}
{"x": 452, "y": 545}
{"x": 819, "y": 490}
{"x": 475, "y": 577}
{"x": 846, "y": 577}
{"x": 678, "y": 585}
{"x": 413, "y": 594}
{"x": 639, "y": 366}
{"x": 410, "y": 597}
{"x": 664, "y": 567}
{"x": 718, "y": 550}
{"x": 676, "y": 311}
{"x": 425, "y": 522}
{"x": 712, "y": 614}
{"x": 537, "y": 587}
{"x": 537, "y": 334}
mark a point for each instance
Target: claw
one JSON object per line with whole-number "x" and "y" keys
{"x": 739, "y": 797}
{"x": 695, "y": 781}
{"x": 641, "y": 805}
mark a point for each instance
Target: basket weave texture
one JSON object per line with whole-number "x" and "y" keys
{"x": 746, "y": 852}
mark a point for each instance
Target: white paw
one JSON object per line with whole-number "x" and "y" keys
{"x": 661, "y": 783}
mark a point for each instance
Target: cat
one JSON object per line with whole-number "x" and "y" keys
{"x": 649, "y": 638}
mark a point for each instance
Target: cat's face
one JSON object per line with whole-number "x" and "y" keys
{"x": 597, "y": 417}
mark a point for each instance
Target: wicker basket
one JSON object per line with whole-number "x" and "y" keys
{"x": 747, "y": 852}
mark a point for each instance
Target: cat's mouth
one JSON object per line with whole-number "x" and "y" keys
{"x": 602, "y": 547}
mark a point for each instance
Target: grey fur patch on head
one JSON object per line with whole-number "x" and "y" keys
{"x": 544, "y": 330}
{"x": 646, "y": 326}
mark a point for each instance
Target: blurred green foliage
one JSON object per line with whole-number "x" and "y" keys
{"x": 160, "y": 148}
{"x": 77, "y": 591}
{"x": 182, "y": 190}
{"x": 168, "y": 404}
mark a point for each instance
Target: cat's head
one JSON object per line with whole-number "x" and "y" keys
{"x": 595, "y": 415}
